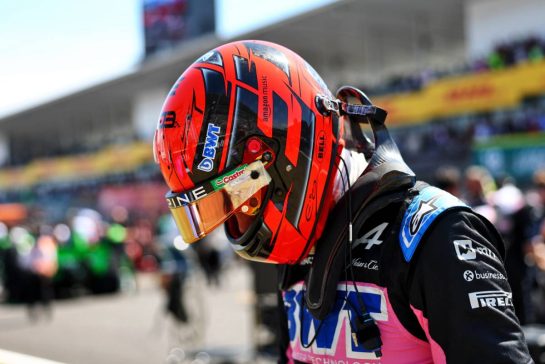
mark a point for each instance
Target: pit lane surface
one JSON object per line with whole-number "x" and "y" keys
{"x": 131, "y": 327}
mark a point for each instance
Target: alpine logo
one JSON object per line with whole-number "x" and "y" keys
{"x": 185, "y": 198}
{"x": 209, "y": 150}
{"x": 372, "y": 237}
{"x": 466, "y": 251}
{"x": 490, "y": 299}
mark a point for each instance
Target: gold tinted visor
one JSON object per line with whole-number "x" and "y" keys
{"x": 204, "y": 208}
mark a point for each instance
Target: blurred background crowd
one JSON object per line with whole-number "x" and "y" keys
{"x": 529, "y": 48}
{"x": 89, "y": 252}
{"x": 82, "y": 210}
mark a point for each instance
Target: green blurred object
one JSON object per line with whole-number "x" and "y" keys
{"x": 535, "y": 54}
{"x": 73, "y": 252}
{"x": 5, "y": 243}
{"x": 518, "y": 156}
{"x": 116, "y": 233}
{"x": 70, "y": 258}
{"x": 495, "y": 61}
{"x": 99, "y": 258}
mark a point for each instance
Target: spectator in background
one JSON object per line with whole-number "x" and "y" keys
{"x": 535, "y": 54}
{"x": 539, "y": 204}
{"x": 17, "y": 263}
{"x": 513, "y": 217}
{"x": 41, "y": 266}
{"x": 478, "y": 184}
{"x": 448, "y": 178}
{"x": 174, "y": 268}
{"x": 495, "y": 60}
{"x": 536, "y": 258}
{"x": 11, "y": 270}
{"x": 209, "y": 259}
{"x": 536, "y": 253}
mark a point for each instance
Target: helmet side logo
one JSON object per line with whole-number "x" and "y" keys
{"x": 267, "y": 110}
{"x": 321, "y": 146}
{"x": 209, "y": 150}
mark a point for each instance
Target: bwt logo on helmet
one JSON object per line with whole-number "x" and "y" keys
{"x": 209, "y": 150}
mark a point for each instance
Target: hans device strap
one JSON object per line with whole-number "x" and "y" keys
{"x": 387, "y": 179}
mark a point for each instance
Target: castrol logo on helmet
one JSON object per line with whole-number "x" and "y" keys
{"x": 209, "y": 150}
{"x": 228, "y": 177}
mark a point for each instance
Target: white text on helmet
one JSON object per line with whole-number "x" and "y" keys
{"x": 209, "y": 150}
{"x": 185, "y": 198}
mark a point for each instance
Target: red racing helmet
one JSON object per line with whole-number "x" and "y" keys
{"x": 241, "y": 138}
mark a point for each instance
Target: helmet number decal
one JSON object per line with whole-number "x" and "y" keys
{"x": 209, "y": 150}
{"x": 168, "y": 120}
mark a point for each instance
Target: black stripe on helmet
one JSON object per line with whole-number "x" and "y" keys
{"x": 213, "y": 130}
{"x": 246, "y": 72}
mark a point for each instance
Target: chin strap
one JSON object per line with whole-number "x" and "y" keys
{"x": 327, "y": 106}
{"x": 386, "y": 180}
{"x": 356, "y": 114}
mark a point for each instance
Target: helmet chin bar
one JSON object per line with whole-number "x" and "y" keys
{"x": 257, "y": 242}
{"x": 250, "y": 245}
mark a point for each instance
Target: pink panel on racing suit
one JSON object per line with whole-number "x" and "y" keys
{"x": 436, "y": 350}
{"x": 334, "y": 343}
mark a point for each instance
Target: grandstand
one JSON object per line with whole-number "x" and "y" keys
{"x": 437, "y": 67}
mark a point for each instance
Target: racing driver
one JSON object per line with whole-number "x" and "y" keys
{"x": 374, "y": 266}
